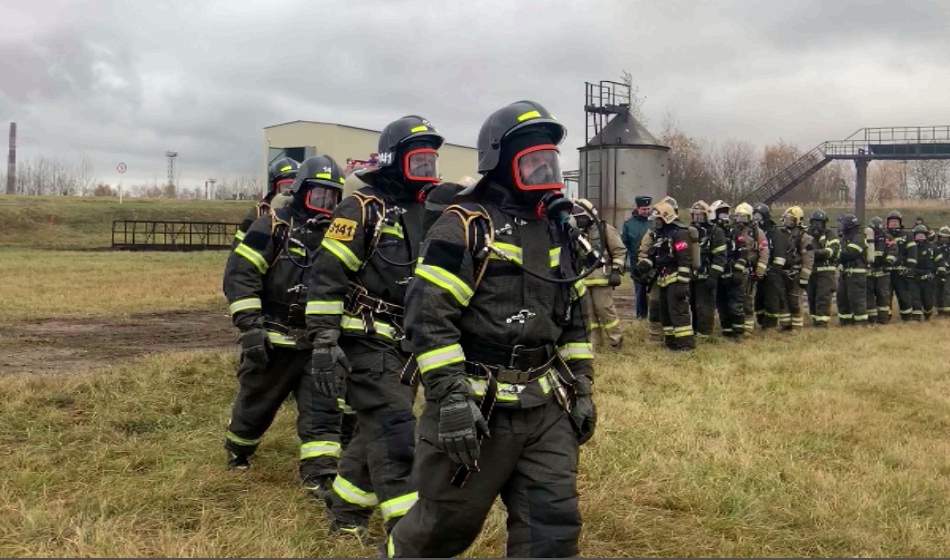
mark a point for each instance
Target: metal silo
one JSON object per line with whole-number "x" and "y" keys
{"x": 621, "y": 159}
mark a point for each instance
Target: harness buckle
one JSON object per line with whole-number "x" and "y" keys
{"x": 515, "y": 354}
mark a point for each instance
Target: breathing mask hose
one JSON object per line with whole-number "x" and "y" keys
{"x": 559, "y": 213}
{"x": 310, "y": 225}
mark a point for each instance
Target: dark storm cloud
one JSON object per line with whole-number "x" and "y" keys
{"x": 126, "y": 80}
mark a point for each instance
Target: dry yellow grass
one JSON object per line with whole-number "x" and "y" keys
{"x": 828, "y": 443}
{"x": 105, "y": 283}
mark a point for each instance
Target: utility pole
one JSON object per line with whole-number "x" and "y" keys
{"x": 11, "y": 161}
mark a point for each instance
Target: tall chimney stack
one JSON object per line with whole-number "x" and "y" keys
{"x": 11, "y": 161}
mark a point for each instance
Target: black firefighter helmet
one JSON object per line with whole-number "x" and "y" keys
{"x": 525, "y": 136}
{"x": 408, "y": 151}
{"x": 281, "y": 173}
{"x": 319, "y": 184}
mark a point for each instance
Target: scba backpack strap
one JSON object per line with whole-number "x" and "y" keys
{"x": 479, "y": 234}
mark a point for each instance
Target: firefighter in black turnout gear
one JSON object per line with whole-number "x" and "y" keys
{"x": 770, "y": 301}
{"x": 280, "y": 178}
{"x": 355, "y": 321}
{"x": 710, "y": 247}
{"x": 905, "y": 267}
{"x": 674, "y": 259}
{"x": 823, "y": 281}
{"x": 853, "y": 279}
{"x": 883, "y": 255}
{"x": 732, "y": 284}
{"x": 943, "y": 271}
{"x": 502, "y": 352}
{"x": 923, "y": 299}
{"x": 264, "y": 281}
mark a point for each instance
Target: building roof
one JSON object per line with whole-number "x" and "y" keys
{"x": 354, "y": 128}
{"x": 624, "y": 130}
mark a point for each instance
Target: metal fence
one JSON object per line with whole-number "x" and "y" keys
{"x": 163, "y": 235}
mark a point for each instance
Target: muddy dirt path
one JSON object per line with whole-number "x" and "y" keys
{"x": 73, "y": 345}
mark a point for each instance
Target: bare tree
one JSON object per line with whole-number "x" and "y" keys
{"x": 736, "y": 168}
{"x": 930, "y": 178}
{"x": 636, "y": 98}
{"x": 884, "y": 181}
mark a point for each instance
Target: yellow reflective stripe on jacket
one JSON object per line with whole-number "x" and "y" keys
{"x": 826, "y": 268}
{"x": 392, "y": 230}
{"x": 579, "y": 290}
{"x": 398, "y": 506}
{"x": 718, "y": 249}
{"x": 576, "y": 351}
{"x": 245, "y": 304}
{"x": 312, "y": 449}
{"x": 351, "y": 323}
{"x": 717, "y": 267}
{"x": 512, "y": 251}
{"x": 298, "y": 251}
{"x": 855, "y": 246}
{"x": 341, "y": 252}
{"x": 445, "y": 280}
{"x": 349, "y": 492}
{"x": 780, "y": 261}
{"x": 442, "y": 356}
{"x": 595, "y": 281}
{"x": 239, "y": 440}
{"x": 554, "y": 257}
{"x": 250, "y": 254}
{"x": 324, "y": 308}
{"x": 502, "y": 394}
{"x": 240, "y": 235}
{"x": 281, "y": 339}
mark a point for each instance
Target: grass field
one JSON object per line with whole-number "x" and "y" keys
{"x": 818, "y": 443}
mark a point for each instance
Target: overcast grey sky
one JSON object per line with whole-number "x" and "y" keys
{"x": 124, "y": 80}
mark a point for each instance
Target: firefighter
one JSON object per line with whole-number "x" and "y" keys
{"x": 500, "y": 350}
{"x": 280, "y": 177}
{"x": 749, "y": 235}
{"x": 799, "y": 264}
{"x": 823, "y": 281}
{"x": 709, "y": 245}
{"x": 645, "y": 274}
{"x": 355, "y": 321}
{"x": 601, "y": 314}
{"x": 853, "y": 280}
{"x": 770, "y": 302}
{"x": 732, "y": 284}
{"x": 673, "y": 265}
{"x": 923, "y": 297}
{"x": 942, "y": 285}
{"x": 264, "y": 283}
{"x": 904, "y": 268}
{"x": 883, "y": 255}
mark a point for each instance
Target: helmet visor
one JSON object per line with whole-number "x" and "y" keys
{"x": 742, "y": 218}
{"x": 789, "y": 221}
{"x": 321, "y": 198}
{"x": 893, "y": 223}
{"x": 421, "y": 165}
{"x": 538, "y": 168}
{"x": 283, "y": 185}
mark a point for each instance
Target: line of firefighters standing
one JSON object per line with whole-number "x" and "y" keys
{"x": 752, "y": 271}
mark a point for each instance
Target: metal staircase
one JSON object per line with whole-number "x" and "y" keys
{"x": 603, "y": 101}
{"x": 895, "y": 143}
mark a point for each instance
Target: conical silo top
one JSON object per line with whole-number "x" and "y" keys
{"x": 624, "y": 130}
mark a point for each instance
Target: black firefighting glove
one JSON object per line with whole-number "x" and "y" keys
{"x": 460, "y": 423}
{"x": 584, "y": 414}
{"x": 641, "y": 269}
{"x": 328, "y": 365}
{"x": 254, "y": 347}
{"x": 615, "y": 277}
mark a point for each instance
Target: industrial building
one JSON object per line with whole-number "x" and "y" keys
{"x": 621, "y": 159}
{"x": 302, "y": 139}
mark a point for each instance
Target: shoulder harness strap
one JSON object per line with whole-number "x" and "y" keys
{"x": 373, "y": 211}
{"x": 279, "y": 230}
{"x": 479, "y": 234}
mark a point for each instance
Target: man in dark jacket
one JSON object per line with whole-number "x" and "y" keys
{"x": 633, "y": 229}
